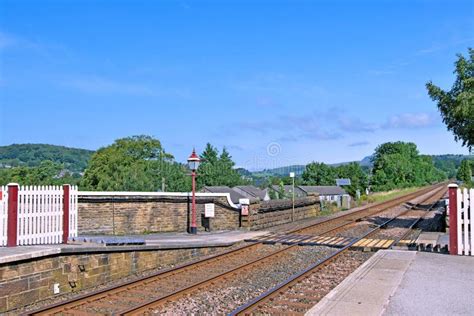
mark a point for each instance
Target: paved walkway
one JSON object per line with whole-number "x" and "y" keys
{"x": 395, "y": 282}
{"x": 152, "y": 242}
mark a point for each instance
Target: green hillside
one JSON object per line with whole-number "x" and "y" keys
{"x": 448, "y": 163}
{"x": 281, "y": 171}
{"x": 31, "y": 155}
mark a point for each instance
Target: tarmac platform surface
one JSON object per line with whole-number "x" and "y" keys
{"x": 162, "y": 241}
{"x": 395, "y": 282}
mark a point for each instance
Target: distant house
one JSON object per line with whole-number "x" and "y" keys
{"x": 252, "y": 192}
{"x": 234, "y": 195}
{"x": 330, "y": 193}
{"x": 288, "y": 191}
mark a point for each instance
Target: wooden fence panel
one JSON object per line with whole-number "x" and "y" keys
{"x": 465, "y": 233}
{"x": 39, "y": 215}
{"x": 73, "y": 193}
{"x": 471, "y": 220}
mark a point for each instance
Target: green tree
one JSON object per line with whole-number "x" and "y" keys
{"x": 465, "y": 172}
{"x": 46, "y": 173}
{"x": 281, "y": 190}
{"x": 354, "y": 172}
{"x": 399, "y": 165}
{"x": 218, "y": 170}
{"x": 457, "y": 105}
{"x": 319, "y": 174}
{"x": 137, "y": 163}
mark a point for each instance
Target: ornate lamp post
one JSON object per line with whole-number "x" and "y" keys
{"x": 193, "y": 163}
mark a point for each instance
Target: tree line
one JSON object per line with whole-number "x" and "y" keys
{"x": 137, "y": 163}
{"x": 140, "y": 163}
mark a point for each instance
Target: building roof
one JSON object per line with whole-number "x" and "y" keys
{"x": 288, "y": 189}
{"x": 234, "y": 195}
{"x": 253, "y": 191}
{"x": 323, "y": 189}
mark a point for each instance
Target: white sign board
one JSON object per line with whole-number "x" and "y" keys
{"x": 209, "y": 210}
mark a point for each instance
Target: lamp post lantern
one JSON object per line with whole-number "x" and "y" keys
{"x": 193, "y": 163}
{"x": 292, "y": 176}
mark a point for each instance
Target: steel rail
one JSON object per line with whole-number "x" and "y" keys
{"x": 107, "y": 292}
{"x": 154, "y": 303}
{"x": 262, "y": 299}
{"x": 371, "y": 210}
{"x": 412, "y": 225}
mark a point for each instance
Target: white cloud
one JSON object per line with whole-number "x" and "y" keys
{"x": 359, "y": 144}
{"x": 351, "y": 124}
{"x": 411, "y": 120}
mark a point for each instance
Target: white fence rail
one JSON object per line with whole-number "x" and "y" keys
{"x": 465, "y": 217}
{"x": 73, "y": 193}
{"x": 465, "y": 234}
{"x": 40, "y": 212}
{"x": 3, "y": 215}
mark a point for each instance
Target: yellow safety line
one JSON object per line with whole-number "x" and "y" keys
{"x": 388, "y": 244}
{"x": 312, "y": 239}
{"x": 322, "y": 240}
{"x": 373, "y": 243}
{"x": 366, "y": 242}
{"x": 331, "y": 241}
{"x": 339, "y": 241}
{"x": 380, "y": 243}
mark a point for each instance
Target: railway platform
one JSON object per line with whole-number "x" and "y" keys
{"x": 395, "y": 282}
{"x": 104, "y": 244}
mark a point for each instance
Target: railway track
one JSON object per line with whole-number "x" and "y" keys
{"x": 143, "y": 295}
{"x": 299, "y": 293}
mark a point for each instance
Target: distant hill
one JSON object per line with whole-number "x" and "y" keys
{"x": 31, "y": 155}
{"x": 366, "y": 162}
{"x": 450, "y": 163}
{"x": 281, "y": 171}
{"x": 447, "y": 163}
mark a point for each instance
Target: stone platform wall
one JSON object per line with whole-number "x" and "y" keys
{"x": 121, "y": 215}
{"x": 26, "y": 282}
{"x": 278, "y": 212}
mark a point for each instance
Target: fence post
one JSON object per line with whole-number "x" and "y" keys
{"x": 453, "y": 219}
{"x": 12, "y": 226}
{"x": 66, "y": 203}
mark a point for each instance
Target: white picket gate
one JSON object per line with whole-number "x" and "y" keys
{"x": 39, "y": 215}
{"x": 73, "y": 193}
{"x": 3, "y": 215}
{"x": 465, "y": 216}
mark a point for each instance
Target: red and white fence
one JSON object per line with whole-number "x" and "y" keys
{"x": 35, "y": 215}
{"x": 461, "y": 221}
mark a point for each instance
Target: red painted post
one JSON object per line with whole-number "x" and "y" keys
{"x": 453, "y": 219}
{"x": 193, "y": 209}
{"x": 12, "y": 226}
{"x": 66, "y": 203}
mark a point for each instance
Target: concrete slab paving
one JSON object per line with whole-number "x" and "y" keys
{"x": 153, "y": 242}
{"x": 395, "y": 282}
{"x": 435, "y": 285}
{"x": 26, "y": 252}
{"x": 429, "y": 238}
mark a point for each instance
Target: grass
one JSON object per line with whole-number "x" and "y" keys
{"x": 384, "y": 196}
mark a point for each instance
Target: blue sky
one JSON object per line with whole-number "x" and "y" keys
{"x": 276, "y": 82}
